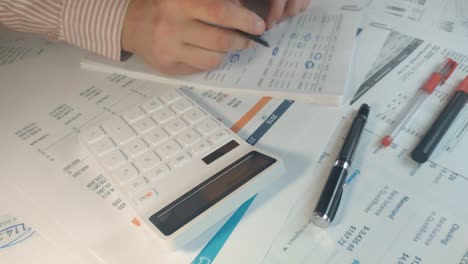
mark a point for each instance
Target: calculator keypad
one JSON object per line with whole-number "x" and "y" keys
{"x": 149, "y": 141}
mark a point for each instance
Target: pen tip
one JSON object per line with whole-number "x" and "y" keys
{"x": 386, "y": 141}
{"x": 264, "y": 43}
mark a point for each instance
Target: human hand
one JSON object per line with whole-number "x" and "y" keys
{"x": 180, "y": 36}
{"x": 279, "y": 10}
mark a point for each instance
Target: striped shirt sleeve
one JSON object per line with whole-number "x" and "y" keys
{"x": 94, "y": 25}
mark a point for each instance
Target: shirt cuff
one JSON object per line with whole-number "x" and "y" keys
{"x": 94, "y": 25}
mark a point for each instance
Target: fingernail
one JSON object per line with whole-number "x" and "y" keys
{"x": 251, "y": 44}
{"x": 259, "y": 26}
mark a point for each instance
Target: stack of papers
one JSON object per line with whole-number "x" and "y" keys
{"x": 309, "y": 60}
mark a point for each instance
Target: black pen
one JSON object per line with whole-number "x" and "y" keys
{"x": 329, "y": 200}
{"x": 434, "y": 135}
{"x": 256, "y": 38}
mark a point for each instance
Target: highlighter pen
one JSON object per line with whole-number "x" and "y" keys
{"x": 436, "y": 132}
{"x": 330, "y": 198}
{"x": 436, "y": 79}
{"x": 256, "y": 38}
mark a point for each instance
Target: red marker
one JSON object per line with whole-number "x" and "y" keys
{"x": 436, "y": 79}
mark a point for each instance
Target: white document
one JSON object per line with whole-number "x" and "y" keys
{"x": 393, "y": 209}
{"x": 20, "y": 244}
{"x": 440, "y": 21}
{"x": 17, "y": 46}
{"x": 308, "y": 60}
{"x": 78, "y": 207}
{"x": 70, "y": 202}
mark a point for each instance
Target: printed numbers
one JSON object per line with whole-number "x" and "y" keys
{"x": 309, "y": 64}
{"x": 234, "y": 58}
{"x": 318, "y": 56}
{"x": 275, "y": 51}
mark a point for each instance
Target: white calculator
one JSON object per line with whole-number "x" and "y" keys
{"x": 179, "y": 168}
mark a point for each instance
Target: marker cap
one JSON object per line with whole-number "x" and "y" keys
{"x": 440, "y": 76}
{"x": 463, "y": 86}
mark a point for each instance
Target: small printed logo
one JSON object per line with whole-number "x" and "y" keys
{"x": 15, "y": 234}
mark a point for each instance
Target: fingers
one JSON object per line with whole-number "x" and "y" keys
{"x": 188, "y": 59}
{"x": 179, "y": 69}
{"x": 305, "y": 5}
{"x": 182, "y": 37}
{"x": 200, "y": 58}
{"x": 275, "y": 12}
{"x": 228, "y": 14}
{"x": 282, "y": 9}
{"x": 213, "y": 38}
{"x": 293, "y": 7}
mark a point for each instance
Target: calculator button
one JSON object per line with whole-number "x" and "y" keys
{"x": 144, "y": 125}
{"x": 174, "y": 126}
{"x": 147, "y": 161}
{"x": 188, "y": 137}
{"x": 158, "y": 172}
{"x": 162, "y": 115}
{"x": 181, "y": 105}
{"x": 103, "y": 146}
{"x": 170, "y": 96}
{"x": 156, "y": 136}
{"x": 207, "y": 126}
{"x": 113, "y": 159}
{"x": 146, "y": 197}
{"x": 135, "y": 148}
{"x": 179, "y": 159}
{"x": 200, "y": 147}
{"x": 220, "y": 135}
{"x": 135, "y": 185}
{"x": 133, "y": 114}
{"x": 194, "y": 116}
{"x": 119, "y": 130}
{"x": 92, "y": 135}
{"x": 125, "y": 174}
{"x": 169, "y": 148}
{"x": 152, "y": 105}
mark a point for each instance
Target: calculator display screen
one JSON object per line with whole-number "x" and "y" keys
{"x": 202, "y": 197}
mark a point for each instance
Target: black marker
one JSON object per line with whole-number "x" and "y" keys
{"x": 329, "y": 200}
{"x": 434, "y": 135}
{"x": 256, "y": 38}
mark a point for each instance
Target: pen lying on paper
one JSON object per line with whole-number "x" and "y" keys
{"x": 330, "y": 198}
{"x": 434, "y": 135}
{"x": 437, "y": 78}
{"x": 255, "y": 38}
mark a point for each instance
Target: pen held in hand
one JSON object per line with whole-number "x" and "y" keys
{"x": 330, "y": 198}
{"x": 257, "y": 38}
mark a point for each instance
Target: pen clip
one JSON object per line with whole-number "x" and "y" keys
{"x": 447, "y": 69}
